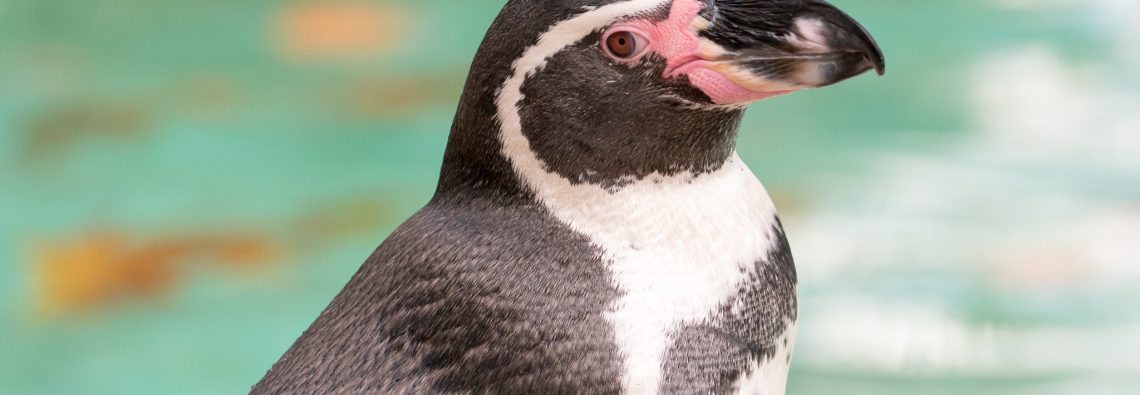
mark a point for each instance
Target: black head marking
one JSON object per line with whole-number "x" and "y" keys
{"x": 591, "y": 120}
{"x": 587, "y": 117}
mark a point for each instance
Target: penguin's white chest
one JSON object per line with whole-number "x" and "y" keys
{"x": 678, "y": 247}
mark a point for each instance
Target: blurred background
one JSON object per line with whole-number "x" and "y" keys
{"x": 184, "y": 185}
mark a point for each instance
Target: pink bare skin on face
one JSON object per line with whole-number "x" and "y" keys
{"x": 675, "y": 39}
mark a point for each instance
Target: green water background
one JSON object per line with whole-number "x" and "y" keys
{"x": 968, "y": 224}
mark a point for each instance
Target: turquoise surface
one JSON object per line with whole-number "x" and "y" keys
{"x": 967, "y": 224}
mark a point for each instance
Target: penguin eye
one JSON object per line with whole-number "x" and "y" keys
{"x": 624, "y": 45}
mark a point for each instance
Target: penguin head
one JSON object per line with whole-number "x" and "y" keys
{"x": 609, "y": 92}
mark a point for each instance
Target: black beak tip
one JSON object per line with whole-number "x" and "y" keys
{"x": 878, "y": 63}
{"x": 872, "y": 52}
{"x": 851, "y": 35}
{"x": 875, "y": 55}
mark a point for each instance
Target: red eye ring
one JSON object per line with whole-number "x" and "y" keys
{"x": 624, "y": 44}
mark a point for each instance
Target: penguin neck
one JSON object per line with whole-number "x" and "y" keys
{"x": 473, "y": 165}
{"x": 484, "y": 161}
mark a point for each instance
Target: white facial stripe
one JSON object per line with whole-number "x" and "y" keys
{"x": 561, "y": 35}
{"x": 678, "y": 246}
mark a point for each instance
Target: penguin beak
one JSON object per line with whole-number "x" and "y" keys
{"x": 759, "y": 49}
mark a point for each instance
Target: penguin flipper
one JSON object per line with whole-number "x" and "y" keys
{"x": 498, "y": 299}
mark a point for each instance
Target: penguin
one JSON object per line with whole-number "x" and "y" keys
{"x": 594, "y": 229}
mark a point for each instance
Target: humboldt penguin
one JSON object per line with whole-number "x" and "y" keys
{"x": 593, "y": 229}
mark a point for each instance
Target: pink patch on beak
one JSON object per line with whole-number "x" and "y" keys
{"x": 723, "y": 91}
{"x": 674, "y": 40}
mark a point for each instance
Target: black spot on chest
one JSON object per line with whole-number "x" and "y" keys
{"x": 712, "y": 355}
